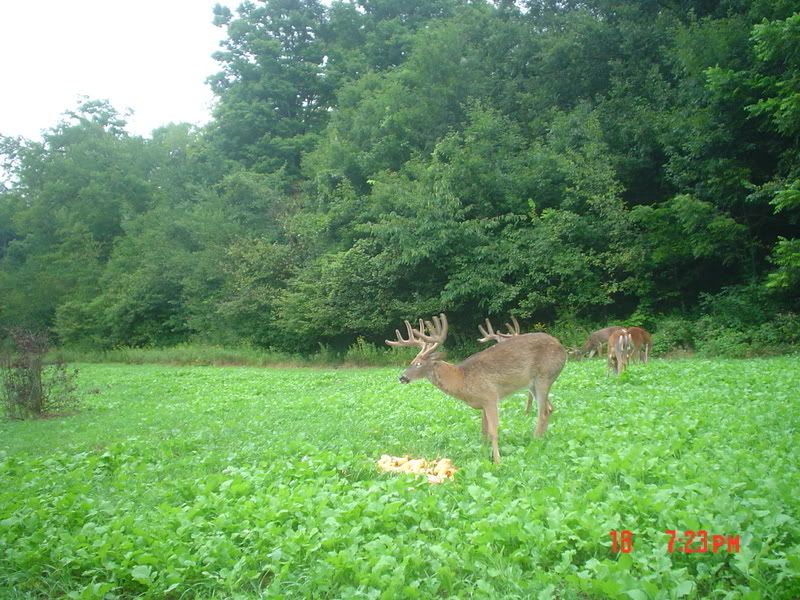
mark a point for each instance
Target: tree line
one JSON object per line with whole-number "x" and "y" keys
{"x": 565, "y": 161}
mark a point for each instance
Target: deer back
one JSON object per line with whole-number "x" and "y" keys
{"x": 640, "y": 336}
{"x": 514, "y": 364}
{"x": 601, "y": 335}
{"x": 598, "y": 338}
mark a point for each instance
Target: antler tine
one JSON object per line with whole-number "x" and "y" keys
{"x": 437, "y": 329}
{"x": 412, "y": 337}
{"x": 488, "y": 333}
{"x": 443, "y": 333}
{"x": 441, "y": 327}
{"x": 418, "y": 337}
{"x": 436, "y": 336}
{"x": 515, "y": 329}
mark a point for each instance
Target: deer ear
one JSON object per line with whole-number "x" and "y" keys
{"x": 438, "y": 356}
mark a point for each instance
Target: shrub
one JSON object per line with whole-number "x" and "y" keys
{"x": 738, "y": 306}
{"x": 673, "y": 333}
{"x": 715, "y": 339}
{"x": 787, "y": 325}
{"x": 570, "y": 332}
{"x": 364, "y": 354}
{"x": 30, "y": 388}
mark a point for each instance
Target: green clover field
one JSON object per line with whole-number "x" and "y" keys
{"x": 233, "y": 482}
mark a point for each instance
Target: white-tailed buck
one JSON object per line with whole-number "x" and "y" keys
{"x": 595, "y": 342}
{"x": 620, "y": 348}
{"x": 642, "y": 343}
{"x": 531, "y": 360}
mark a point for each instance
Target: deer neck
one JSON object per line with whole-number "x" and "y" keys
{"x": 449, "y": 378}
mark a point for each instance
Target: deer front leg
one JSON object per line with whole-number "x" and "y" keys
{"x": 492, "y": 422}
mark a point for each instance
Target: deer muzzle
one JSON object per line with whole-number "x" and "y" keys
{"x": 404, "y": 379}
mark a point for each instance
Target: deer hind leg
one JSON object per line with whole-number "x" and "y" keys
{"x": 628, "y": 350}
{"x": 541, "y": 389}
{"x": 492, "y": 423}
{"x": 615, "y": 362}
{"x": 484, "y": 425}
{"x": 531, "y": 397}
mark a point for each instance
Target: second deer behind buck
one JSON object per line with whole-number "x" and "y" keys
{"x": 642, "y": 343}
{"x": 531, "y": 360}
{"x": 595, "y": 342}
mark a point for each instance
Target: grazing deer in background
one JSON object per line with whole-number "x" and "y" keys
{"x": 595, "y": 342}
{"x": 489, "y": 335}
{"x": 642, "y": 343}
{"x": 531, "y": 360}
{"x": 620, "y": 348}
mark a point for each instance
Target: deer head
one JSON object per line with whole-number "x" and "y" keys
{"x": 423, "y": 362}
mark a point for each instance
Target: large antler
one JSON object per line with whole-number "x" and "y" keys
{"x": 489, "y": 333}
{"x": 428, "y": 342}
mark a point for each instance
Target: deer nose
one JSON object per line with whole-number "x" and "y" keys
{"x": 404, "y": 379}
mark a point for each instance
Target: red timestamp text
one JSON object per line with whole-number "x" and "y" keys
{"x": 688, "y": 542}
{"x": 621, "y": 541}
{"x": 697, "y": 542}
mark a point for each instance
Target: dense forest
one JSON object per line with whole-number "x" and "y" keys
{"x": 569, "y": 162}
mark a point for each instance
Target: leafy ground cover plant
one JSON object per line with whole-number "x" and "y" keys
{"x": 202, "y": 482}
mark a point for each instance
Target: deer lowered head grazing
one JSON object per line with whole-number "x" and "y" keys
{"x": 531, "y": 360}
{"x": 595, "y": 342}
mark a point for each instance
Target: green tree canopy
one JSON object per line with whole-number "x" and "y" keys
{"x": 375, "y": 160}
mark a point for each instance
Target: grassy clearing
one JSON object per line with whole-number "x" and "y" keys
{"x": 201, "y": 482}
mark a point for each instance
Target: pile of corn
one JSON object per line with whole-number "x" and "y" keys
{"x": 436, "y": 471}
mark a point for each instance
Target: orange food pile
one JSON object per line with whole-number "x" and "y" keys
{"x": 436, "y": 471}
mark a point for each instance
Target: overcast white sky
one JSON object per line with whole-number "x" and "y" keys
{"x": 151, "y": 56}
